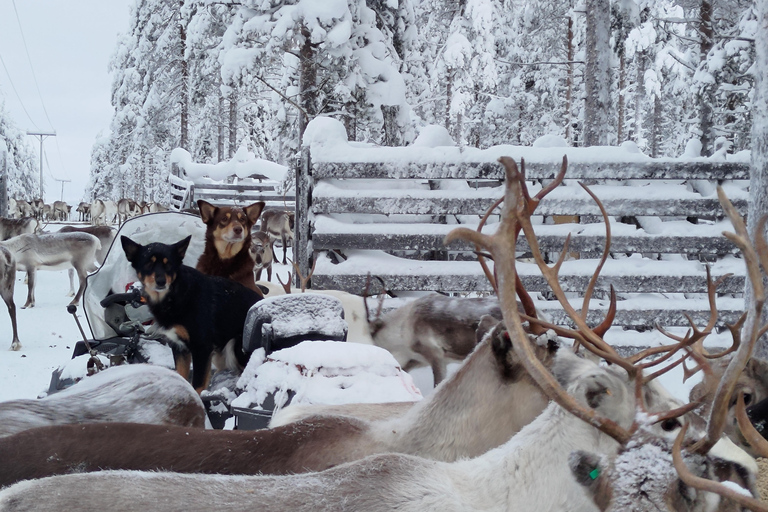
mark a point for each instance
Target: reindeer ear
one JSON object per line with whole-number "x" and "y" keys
{"x": 586, "y": 467}
{"x": 181, "y": 247}
{"x": 207, "y": 210}
{"x": 130, "y": 248}
{"x": 253, "y": 211}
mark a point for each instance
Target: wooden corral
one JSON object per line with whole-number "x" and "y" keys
{"x": 666, "y": 228}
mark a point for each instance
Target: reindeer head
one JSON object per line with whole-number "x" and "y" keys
{"x": 626, "y": 413}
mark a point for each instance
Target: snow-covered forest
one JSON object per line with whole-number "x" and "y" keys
{"x": 212, "y": 76}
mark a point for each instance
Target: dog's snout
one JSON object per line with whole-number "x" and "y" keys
{"x": 160, "y": 280}
{"x": 238, "y": 230}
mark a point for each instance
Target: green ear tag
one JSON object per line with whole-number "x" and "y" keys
{"x": 594, "y": 473}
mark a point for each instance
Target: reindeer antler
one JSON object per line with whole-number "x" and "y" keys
{"x": 501, "y": 245}
{"x": 753, "y": 259}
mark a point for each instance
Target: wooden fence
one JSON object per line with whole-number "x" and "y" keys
{"x": 389, "y": 218}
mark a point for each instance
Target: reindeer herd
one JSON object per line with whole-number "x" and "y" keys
{"x": 538, "y": 417}
{"x": 98, "y": 212}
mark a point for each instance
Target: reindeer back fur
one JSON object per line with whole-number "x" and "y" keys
{"x": 432, "y": 330}
{"x": 134, "y": 393}
{"x": 516, "y": 476}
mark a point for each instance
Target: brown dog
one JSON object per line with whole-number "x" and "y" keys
{"x": 227, "y": 240}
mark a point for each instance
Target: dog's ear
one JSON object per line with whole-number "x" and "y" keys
{"x": 253, "y": 211}
{"x": 207, "y": 210}
{"x": 130, "y": 248}
{"x": 181, "y": 247}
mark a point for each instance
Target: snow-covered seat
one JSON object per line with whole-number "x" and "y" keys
{"x": 286, "y": 320}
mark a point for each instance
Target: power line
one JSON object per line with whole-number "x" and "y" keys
{"x": 17, "y": 92}
{"x": 29, "y": 59}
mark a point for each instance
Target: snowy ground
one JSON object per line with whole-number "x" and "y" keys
{"x": 48, "y": 334}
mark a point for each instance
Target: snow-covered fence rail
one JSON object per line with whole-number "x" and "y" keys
{"x": 386, "y": 211}
{"x": 252, "y": 180}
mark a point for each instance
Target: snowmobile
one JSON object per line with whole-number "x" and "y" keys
{"x": 122, "y": 331}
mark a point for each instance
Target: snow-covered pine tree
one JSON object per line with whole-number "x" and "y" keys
{"x": 320, "y": 58}
{"x": 21, "y": 163}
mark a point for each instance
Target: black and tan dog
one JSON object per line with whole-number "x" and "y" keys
{"x": 227, "y": 241}
{"x": 206, "y": 313}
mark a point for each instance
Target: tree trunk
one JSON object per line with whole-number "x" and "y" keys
{"x": 302, "y": 247}
{"x": 392, "y": 132}
{"x": 656, "y": 127}
{"x": 639, "y": 96}
{"x": 597, "y": 74}
{"x": 620, "y": 106}
{"x": 758, "y": 183}
{"x": 184, "y": 142}
{"x": 220, "y": 130}
{"x": 307, "y": 83}
{"x": 569, "y": 83}
{"x": 706, "y": 96}
{"x": 232, "y": 123}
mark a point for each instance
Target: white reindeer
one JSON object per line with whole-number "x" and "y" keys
{"x": 140, "y": 393}
{"x": 478, "y": 408}
{"x": 519, "y": 475}
{"x": 54, "y": 251}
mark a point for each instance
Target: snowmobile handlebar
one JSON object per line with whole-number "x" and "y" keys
{"x": 133, "y": 296}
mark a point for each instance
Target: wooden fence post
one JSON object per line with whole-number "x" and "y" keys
{"x": 302, "y": 242}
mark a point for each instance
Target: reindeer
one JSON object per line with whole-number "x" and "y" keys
{"x": 518, "y": 475}
{"x": 432, "y": 330}
{"x": 53, "y": 251}
{"x": 98, "y": 213}
{"x": 105, "y": 234}
{"x": 278, "y": 224}
{"x": 60, "y": 210}
{"x": 84, "y": 211}
{"x": 139, "y": 393}
{"x": 7, "y": 283}
{"x": 37, "y": 208}
{"x": 444, "y": 426}
{"x": 127, "y": 208}
{"x": 10, "y": 228}
{"x": 649, "y": 474}
{"x": 261, "y": 253}
{"x": 24, "y": 208}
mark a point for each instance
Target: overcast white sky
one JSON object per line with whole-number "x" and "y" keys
{"x": 70, "y": 44}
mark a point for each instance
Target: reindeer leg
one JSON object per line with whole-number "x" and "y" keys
{"x": 7, "y": 294}
{"x": 269, "y": 273}
{"x": 81, "y": 274}
{"x": 431, "y": 351}
{"x": 285, "y": 248}
{"x": 71, "y": 273}
{"x": 30, "y": 289}
{"x": 15, "y": 344}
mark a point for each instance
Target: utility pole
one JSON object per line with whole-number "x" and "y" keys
{"x": 42, "y": 136}
{"x": 62, "y": 187}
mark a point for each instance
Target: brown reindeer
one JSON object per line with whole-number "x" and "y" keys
{"x": 444, "y": 426}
